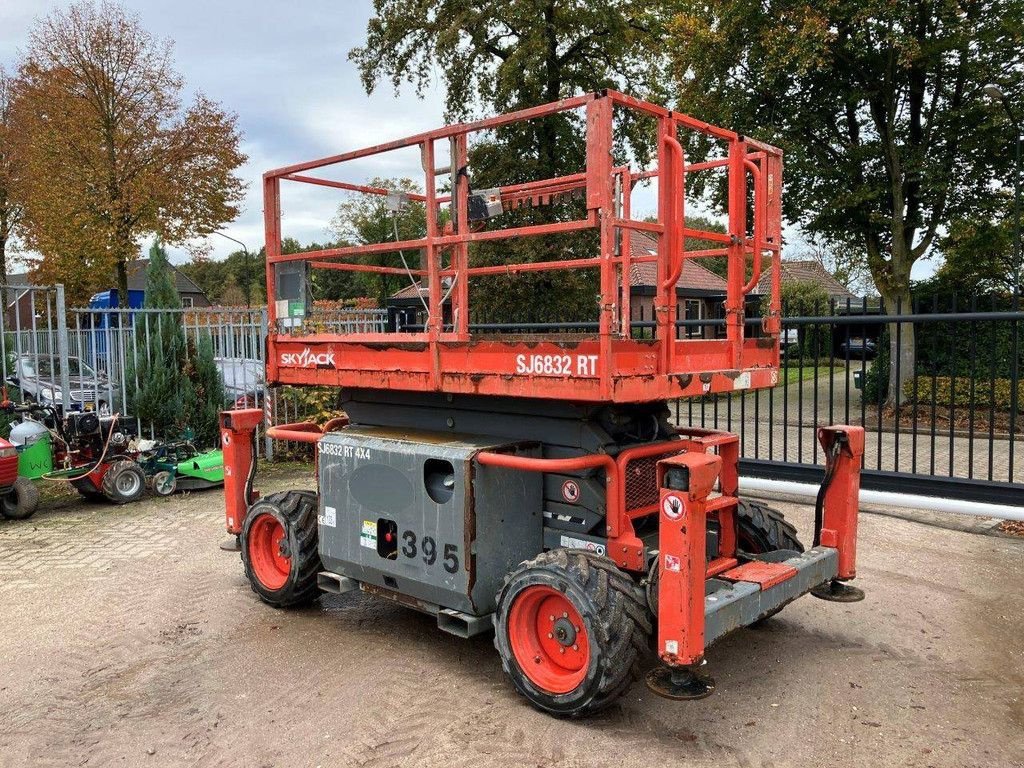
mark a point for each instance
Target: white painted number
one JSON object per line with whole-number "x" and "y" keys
{"x": 556, "y": 365}
{"x": 344, "y": 451}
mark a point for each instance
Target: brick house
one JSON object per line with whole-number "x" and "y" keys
{"x": 700, "y": 293}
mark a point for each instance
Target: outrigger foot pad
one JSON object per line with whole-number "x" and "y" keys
{"x": 679, "y": 683}
{"x": 232, "y": 544}
{"x": 837, "y": 592}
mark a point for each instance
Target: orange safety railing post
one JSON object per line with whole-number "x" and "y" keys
{"x": 670, "y": 244}
{"x": 599, "y": 199}
{"x": 773, "y": 214}
{"x": 677, "y": 203}
{"x": 682, "y": 555}
{"x": 734, "y": 302}
{"x": 759, "y": 226}
{"x": 238, "y": 445}
{"x": 460, "y": 252}
{"x": 838, "y": 499}
{"x": 435, "y": 322}
{"x": 624, "y": 240}
{"x": 272, "y": 225}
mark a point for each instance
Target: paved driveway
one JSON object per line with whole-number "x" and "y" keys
{"x": 128, "y": 638}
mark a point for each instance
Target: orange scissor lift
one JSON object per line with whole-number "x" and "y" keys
{"x": 618, "y": 529}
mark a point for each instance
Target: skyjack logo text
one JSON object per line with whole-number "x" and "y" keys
{"x": 307, "y": 358}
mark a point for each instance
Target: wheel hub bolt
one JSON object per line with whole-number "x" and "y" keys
{"x": 565, "y": 633}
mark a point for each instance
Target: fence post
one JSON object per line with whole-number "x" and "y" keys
{"x": 268, "y": 442}
{"x": 62, "y": 346}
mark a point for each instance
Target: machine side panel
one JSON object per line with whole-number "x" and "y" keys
{"x": 509, "y": 509}
{"x": 397, "y": 511}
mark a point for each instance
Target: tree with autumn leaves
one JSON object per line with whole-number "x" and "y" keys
{"x": 10, "y": 206}
{"x": 107, "y": 153}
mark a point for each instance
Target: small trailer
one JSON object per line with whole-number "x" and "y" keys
{"x": 531, "y": 481}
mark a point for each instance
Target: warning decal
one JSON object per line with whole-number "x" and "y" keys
{"x": 672, "y": 506}
{"x": 571, "y": 491}
{"x": 329, "y": 517}
{"x": 368, "y": 536}
{"x": 574, "y": 543}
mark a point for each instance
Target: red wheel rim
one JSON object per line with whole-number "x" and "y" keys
{"x": 268, "y": 564}
{"x": 548, "y": 639}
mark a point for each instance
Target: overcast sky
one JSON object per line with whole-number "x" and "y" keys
{"x": 284, "y": 69}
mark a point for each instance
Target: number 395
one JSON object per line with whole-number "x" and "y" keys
{"x": 427, "y": 550}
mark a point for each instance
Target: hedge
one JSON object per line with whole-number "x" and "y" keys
{"x": 958, "y": 392}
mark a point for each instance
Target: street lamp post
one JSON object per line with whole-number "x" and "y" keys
{"x": 995, "y": 93}
{"x": 248, "y": 267}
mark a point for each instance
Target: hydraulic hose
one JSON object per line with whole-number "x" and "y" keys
{"x": 830, "y": 471}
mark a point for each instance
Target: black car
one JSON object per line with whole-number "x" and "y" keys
{"x": 859, "y": 348}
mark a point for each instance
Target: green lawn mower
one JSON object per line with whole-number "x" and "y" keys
{"x": 179, "y": 466}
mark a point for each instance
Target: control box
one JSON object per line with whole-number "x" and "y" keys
{"x": 413, "y": 512}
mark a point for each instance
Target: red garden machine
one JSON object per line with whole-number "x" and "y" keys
{"x": 531, "y": 480}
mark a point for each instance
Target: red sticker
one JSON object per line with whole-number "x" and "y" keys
{"x": 672, "y": 506}
{"x": 571, "y": 491}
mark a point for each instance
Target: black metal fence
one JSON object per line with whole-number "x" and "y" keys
{"x": 950, "y": 424}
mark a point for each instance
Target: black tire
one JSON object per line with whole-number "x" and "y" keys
{"x": 293, "y": 586}
{"x": 22, "y": 501}
{"x": 616, "y": 620}
{"x": 764, "y": 529}
{"x": 87, "y": 490}
{"x": 164, "y": 482}
{"x": 124, "y": 482}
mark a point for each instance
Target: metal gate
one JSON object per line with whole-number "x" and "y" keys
{"x": 954, "y": 430}
{"x": 85, "y": 358}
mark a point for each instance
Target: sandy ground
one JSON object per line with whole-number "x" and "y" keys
{"x": 128, "y": 638}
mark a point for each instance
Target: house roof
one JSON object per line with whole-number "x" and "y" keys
{"x": 12, "y": 292}
{"x": 410, "y": 292}
{"x": 136, "y": 279}
{"x": 809, "y": 271}
{"x": 693, "y": 276}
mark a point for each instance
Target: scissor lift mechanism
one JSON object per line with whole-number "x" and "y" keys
{"x": 688, "y": 481}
